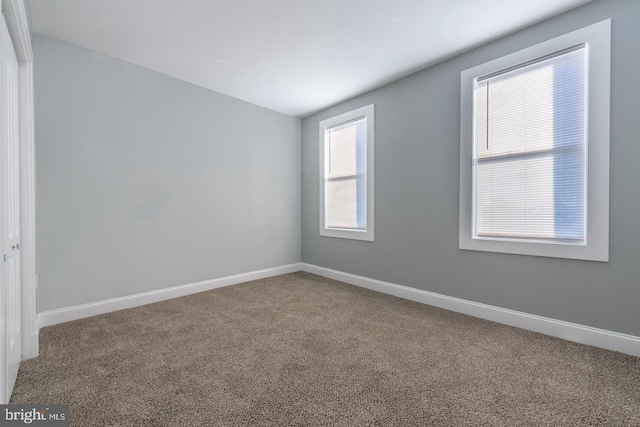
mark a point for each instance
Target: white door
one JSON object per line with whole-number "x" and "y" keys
{"x": 9, "y": 217}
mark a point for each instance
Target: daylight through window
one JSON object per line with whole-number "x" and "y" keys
{"x": 530, "y": 150}
{"x": 346, "y": 175}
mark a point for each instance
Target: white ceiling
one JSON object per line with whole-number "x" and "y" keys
{"x": 292, "y": 56}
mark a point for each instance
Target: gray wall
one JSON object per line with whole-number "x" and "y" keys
{"x": 146, "y": 182}
{"x": 417, "y": 188}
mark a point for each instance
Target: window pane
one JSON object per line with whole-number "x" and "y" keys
{"x": 530, "y": 150}
{"x": 346, "y": 175}
{"x": 342, "y": 207}
{"x": 342, "y": 151}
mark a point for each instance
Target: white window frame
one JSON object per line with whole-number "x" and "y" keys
{"x": 368, "y": 234}
{"x": 596, "y": 246}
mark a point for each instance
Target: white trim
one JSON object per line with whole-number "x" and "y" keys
{"x": 609, "y": 340}
{"x": 367, "y": 111}
{"x": 28, "y": 215}
{"x": 598, "y": 37}
{"x": 18, "y": 24}
{"x": 588, "y": 335}
{"x": 53, "y": 317}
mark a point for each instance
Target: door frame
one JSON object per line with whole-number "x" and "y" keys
{"x": 16, "y": 16}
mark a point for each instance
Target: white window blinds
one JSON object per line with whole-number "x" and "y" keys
{"x": 529, "y": 160}
{"x": 346, "y": 175}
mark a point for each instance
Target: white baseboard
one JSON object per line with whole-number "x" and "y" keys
{"x": 67, "y": 314}
{"x": 609, "y": 340}
{"x": 31, "y": 345}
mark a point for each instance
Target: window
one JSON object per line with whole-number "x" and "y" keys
{"x": 534, "y": 175}
{"x": 346, "y": 175}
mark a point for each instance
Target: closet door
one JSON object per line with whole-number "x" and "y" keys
{"x": 10, "y": 282}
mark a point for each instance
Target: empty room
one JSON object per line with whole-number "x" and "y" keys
{"x": 320, "y": 213}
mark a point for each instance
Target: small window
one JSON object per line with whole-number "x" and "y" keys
{"x": 535, "y": 150}
{"x": 346, "y": 175}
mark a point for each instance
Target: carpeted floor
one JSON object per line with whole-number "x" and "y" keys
{"x": 302, "y": 350}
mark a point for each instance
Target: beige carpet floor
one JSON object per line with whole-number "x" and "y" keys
{"x": 302, "y": 350}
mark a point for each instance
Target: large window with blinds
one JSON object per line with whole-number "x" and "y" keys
{"x": 535, "y": 150}
{"x": 529, "y": 158}
{"x": 346, "y": 169}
